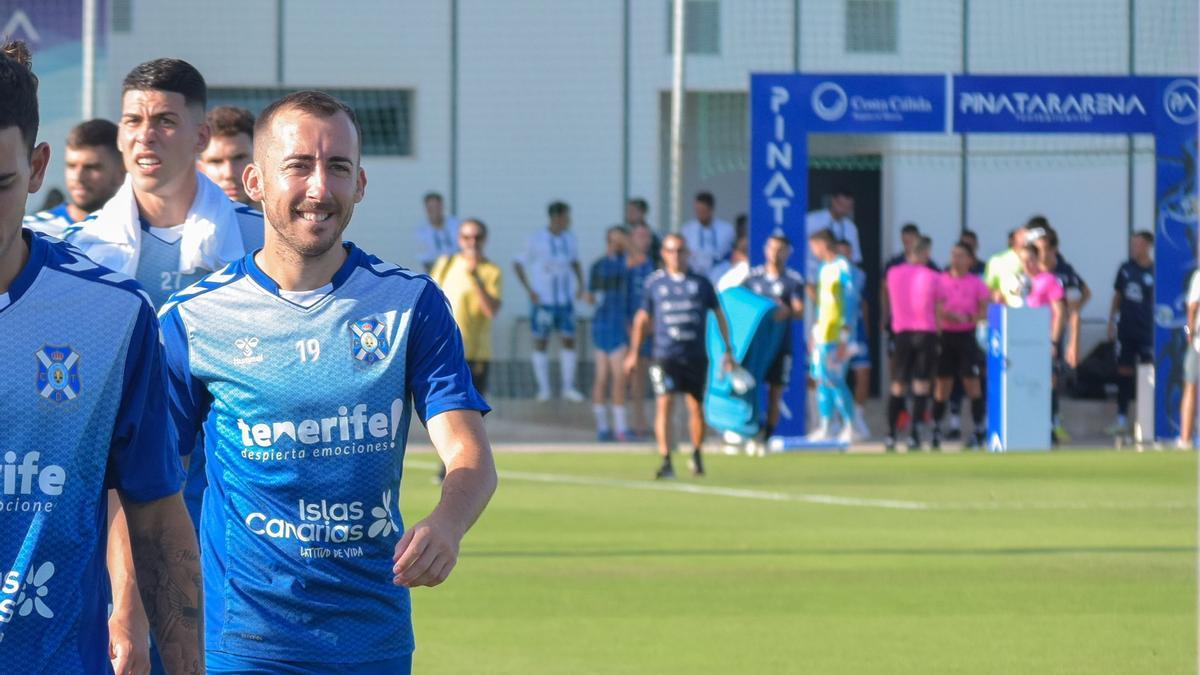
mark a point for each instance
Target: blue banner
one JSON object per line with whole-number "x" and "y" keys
{"x": 865, "y": 104}
{"x": 1051, "y": 104}
{"x": 1175, "y": 240}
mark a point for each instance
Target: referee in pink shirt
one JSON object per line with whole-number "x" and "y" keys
{"x": 962, "y": 300}
{"x": 912, "y": 296}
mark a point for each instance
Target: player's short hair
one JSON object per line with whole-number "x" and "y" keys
{"x": 1036, "y": 222}
{"x": 558, "y": 208}
{"x": 824, "y": 236}
{"x": 18, "y": 92}
{"x": 615, "y": 228}
{"x": 842, "y": 191}
{"x": 969, "y": 234}
{"x": 97, "y": 133}
{"x": 1051, "y": 236}
{"x": 434, "y": 197}
{"x": 171, "y": 75}
{"x": 923, "y": 245}
{"x": 706, "y": 198}
{"x": 640, "y": 204}
{"x": 910, "y": 228}
{"x": 483, "y": 230}
{"x": 312, "y": 102}
{"x": 227, "y": 121}
{"x": 778, "y": 235}
{"x": 677, "y": 237}
{"x": 1146, "y": 235}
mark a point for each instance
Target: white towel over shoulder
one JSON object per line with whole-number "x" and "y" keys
{"x": 211, "y": 238}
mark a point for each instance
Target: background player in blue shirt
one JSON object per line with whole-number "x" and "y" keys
{"x": 678, "y": 300}
{"x": 784, "y": 285}
{"x": 93, "y": 173}
{"x": 1131, "y": 321}
{"x": 608, "y": 283}
{"x": 84, "y": 411}
{"x": 307, "y": 560}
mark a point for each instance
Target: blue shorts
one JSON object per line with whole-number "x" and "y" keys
{"x": 224, "y": 662}
{"x": 549, "y": 318}
{"x": 609, "y": 335}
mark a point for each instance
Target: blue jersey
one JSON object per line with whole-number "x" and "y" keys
{"x": 638, "y": 274}
{"x": 609, "y": 281}
{"x": 55, "y": 222}
{"x": 783, "y": 289}
{"x": 1135, "y": 285}
{"x": 84, "y": 409}
{"x": 305, "y": 413}
{"x": 679, "y": 306}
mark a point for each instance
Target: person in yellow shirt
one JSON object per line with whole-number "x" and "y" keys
{"x": 472, "y": 284}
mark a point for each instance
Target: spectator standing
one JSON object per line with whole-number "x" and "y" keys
{"x": 710, "y": 239}
{"x": 608, "y": 284}
{"x": 438, "y": 234}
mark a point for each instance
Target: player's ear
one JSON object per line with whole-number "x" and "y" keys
{"x": 360, "y": 187}
{"x": 252, "y": 180}
{"x": 203, "y": 137}
{"x": 38, "y": 162}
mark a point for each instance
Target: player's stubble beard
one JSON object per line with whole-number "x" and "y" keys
{"x": 293, "y": 246}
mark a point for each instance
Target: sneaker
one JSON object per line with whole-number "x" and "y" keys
{"x": 1182, "y": 444}
{"x": 846, "y": 436}
{"x": 604, "y": 436}
{"x": 980, "y": 440}
{"x": 889, "y": 444}
{"x": 1061, "y": 433}
{"x": 542, "y": 396}
{"x": 572, "y": 395}
{"x": 696, "y": 464}
{"x": 935, "y": 439}
{"x": 861, "y": 431}
{"x": 665, "y": 472}
{"x": 820, "y": 434}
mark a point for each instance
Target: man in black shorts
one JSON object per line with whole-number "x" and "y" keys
{"x": 962, "y": 300}
{"x": 677, "y": 301}
{"x": 912, "y": 290}
{"x": 1131, "y": 322}
{"x": 785, "y": 286}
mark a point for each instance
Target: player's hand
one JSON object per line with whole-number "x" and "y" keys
{"x": 129, "y": 643}
{"x": 727, "y": 363}
{"x": 533, "y": 297}
{"x": 1072, "y": 355}
{"x": 630, "y": 364}
{"x": 426, "y": 553}
{"x": 782, "y": 312}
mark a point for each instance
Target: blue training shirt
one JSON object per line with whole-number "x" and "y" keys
{"x": 609, "y": 280}
{"x": 305, "y": 412}
{"x": 679, "y": 306}
{"x": 84, "y": 410}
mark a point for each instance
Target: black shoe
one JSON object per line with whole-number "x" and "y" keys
{"x": 889, "y": 444}
{"x": 696, "y": 464}
{"x": 665, "y": 472}
{"x": 935, "y": 440}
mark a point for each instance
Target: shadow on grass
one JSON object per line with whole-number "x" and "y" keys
{"x": 811, "y": 552}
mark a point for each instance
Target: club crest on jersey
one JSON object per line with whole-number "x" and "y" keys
{"x": 57, "y": 373}
{"x": 368, "y": 341}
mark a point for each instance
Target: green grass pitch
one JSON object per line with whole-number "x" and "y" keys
{"x": 1071, "y": 562}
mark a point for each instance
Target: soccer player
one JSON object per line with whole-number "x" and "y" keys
{"x": 860, "y": 359}
{"x": 677, "y": 300}
{"x": 709, "y": 239}
{"x": 554, "y": 281}
{"x": 640, "y": 262}
{"x": 962, "y": 300}
{"x": 1191, "y": 366}
{"x": 436, "y": 236}
{"x": 608, "y": 284}
{"x": 93, "y": 174}
{"x": 838, "y": 219}
{"x": 912, "y": 289}
{"x": 84, "y": 413}
{"x": 307, "y": 560}
{"x": 783, "y": 285}
{"x": 1004, "y": 270}
{"x": 1076, "y": 295}
{"x": 229, "y": 151}
{"x": 1131, "y": 321}
{"x": 832, "y": 335}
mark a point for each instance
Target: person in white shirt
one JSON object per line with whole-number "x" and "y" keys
{"x": 709, "y": 239}
{"x": 550, "y": 272}
{"x": 438, "y": 235}
{"x": 838, "y": 220}
{"x": 733, "y": 272}
{"x": 1191, "y": 366}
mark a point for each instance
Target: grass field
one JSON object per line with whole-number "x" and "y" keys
{"x": 1072, "y": 562}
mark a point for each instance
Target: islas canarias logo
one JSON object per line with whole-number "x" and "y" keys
{"x": 321, "y": 521}
{"x": 26, "y": 593}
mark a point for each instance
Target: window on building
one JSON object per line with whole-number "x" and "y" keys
{"x": 871, "y": 26}
{"x": 385, "y": 115}
{"x": 701, "y": 26}
{"x": 121, "y": 15}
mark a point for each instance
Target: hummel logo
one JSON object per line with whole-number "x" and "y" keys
{"x": 247, "y": 345}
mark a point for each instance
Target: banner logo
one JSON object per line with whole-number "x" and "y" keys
{"x": 1179, "y": 100}
{"x": 829, "y": 101}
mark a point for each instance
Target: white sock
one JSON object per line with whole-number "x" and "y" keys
{"x": 619, "y": 420}
{"x": 601, "y": 412}
{"x": 541, "y": 370}
{"x": 568, "y": 360}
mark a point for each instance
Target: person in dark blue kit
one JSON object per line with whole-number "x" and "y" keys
{"x": 608, "y": 286}
{"x": 84, "y": 412}
{"x": 1131, "y": 321}
{"x": 785, "y": 286}
{"x": 677, "y": 301}
{"x": 308, "y": 562}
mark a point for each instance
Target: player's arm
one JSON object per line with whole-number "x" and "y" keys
{"x": 128, "y": 627}
{"x": 428, "y": 551}
{"x": 638, "y": 333}
{"x": 488, "y": 294}
{"x": 1192, "y": 308}
{"x": 1114, "y": 309}
{"x": 144, "y": 468}
{"x": 723, "y": 326}
{"x": 797, "y": 306}
{"x": 578, "y": 270}
{"x": 1057, "y": 312}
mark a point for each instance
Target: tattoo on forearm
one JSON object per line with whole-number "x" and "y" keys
{"x": 168, "y": 577}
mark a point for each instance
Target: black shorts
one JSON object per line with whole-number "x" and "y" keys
{"x": 915, "y": 355}
{"x": 780, "y": 371}
{"x": 679, "y": 376}
{"x": 1132, "y": 352}
{"x": 959, "y": 354}
{"x": 479, "y": 373}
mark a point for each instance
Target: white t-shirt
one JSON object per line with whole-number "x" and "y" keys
{"x": 708, "y": 245}
{"x": 733, "y": 276}
{"x": 306, "y": 298}
{"x": 547, "y": 261}
{"x": 435, "y": 242}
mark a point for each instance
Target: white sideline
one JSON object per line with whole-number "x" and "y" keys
{"x": 700, "y": 489}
